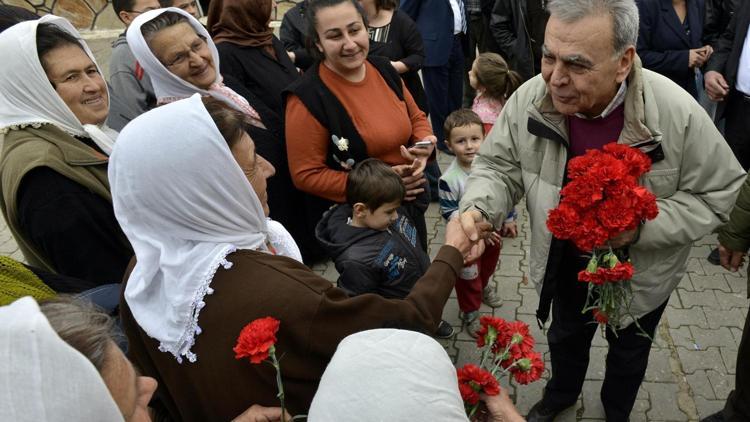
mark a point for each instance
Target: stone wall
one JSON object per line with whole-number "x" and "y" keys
{"x": 97, "y": 14}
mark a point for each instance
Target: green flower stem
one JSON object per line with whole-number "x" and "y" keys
{"x": 275, "y": 363}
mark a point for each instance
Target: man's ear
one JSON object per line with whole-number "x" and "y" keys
{"x": 625, "y": 64}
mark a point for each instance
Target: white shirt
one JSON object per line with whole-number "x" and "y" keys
{"x": 456, "y": 6}
{"x": 743, "y": 71}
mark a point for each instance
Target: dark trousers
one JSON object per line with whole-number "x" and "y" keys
{"x": 479, "y": 35}
{"x": 569, "y": 339}
{"x": 737, "y": 129}
{"x": 444, "y": 88}
{"x": 737, "y": 408}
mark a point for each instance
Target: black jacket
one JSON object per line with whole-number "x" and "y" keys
{"x": 728, "y": 48}
{"x": 663, "y": 44}
{"x": 293, "y": 33}
{"x": 263, "y": 75}
{"x": 386, "y": 262}
{"x": 509, "y": 29}
{"x": 718, "y": 14}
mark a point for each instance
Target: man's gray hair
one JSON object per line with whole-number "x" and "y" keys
{"x": 624, "y": 15}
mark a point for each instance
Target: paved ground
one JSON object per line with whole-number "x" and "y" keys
{"x": 692, "y": 364}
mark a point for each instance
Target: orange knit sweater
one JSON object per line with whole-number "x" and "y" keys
{"x": 382, "y": 120}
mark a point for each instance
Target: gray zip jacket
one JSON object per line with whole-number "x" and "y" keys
{"x": 696, "y": 182}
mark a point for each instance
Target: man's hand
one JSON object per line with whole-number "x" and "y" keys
{"x": 497, "y": 408}
{"x": 258, "y": 413}
{"x": 731, "y": 260}
{"x": 411, "y": 175}
{"x": 623, "y": 239}
{"x": 455, "y": 236}
{"x": 475, "y": 226}
{"x": 716, "y": 86}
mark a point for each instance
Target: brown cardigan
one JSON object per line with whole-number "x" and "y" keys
{"x": 314, "y": 316}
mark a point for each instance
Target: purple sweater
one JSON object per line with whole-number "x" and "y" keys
{"x": 595, "y": 133}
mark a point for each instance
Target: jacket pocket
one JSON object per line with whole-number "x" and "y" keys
{"x": 662, "y": 183}
{"x": 432, "y": 36}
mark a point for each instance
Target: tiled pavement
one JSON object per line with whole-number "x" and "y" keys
{"x": 692, "y": 364}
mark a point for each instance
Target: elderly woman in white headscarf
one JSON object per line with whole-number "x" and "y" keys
{"x": 53, "y": 173}
{"x": 44, "y": 378}
{"x": 189, "y": 192}
{"x": 179, "y": 56}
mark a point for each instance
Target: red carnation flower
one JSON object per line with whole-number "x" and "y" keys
{"x": 473, "y": 380}
{"x": 637, "y": 162}
{"x": 622, "y": 271}
{"x": 529, "y": 368}
{"x": 521, "y": 340}
{"x": 257, "y": 340}
{"x": 600, "y": 316}
{"x": 493, "y": 330}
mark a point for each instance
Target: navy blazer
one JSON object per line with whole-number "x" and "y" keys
{"x": 434, "y": 19}
{"x": 663, "y": 44}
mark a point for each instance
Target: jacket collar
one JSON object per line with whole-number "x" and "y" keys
{"x": 74, "y": 151}
{"x": 641, "y": 116}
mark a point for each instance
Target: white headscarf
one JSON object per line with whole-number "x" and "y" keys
{"x": 169, "y": 87}
{"x": 388, "y": 375}
{"x": 27, "y": 97}
{"x": 184, "y": 204}
{"x": 42, "y": 378}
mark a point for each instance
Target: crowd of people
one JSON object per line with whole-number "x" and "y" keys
{"x": 189, "y": 192}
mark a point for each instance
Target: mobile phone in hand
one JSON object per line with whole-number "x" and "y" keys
{"x": 422, "y": 144}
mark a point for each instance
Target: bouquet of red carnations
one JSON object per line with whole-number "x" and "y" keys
{"x": 601, "y": 200}
{"x": 506, "y": 347}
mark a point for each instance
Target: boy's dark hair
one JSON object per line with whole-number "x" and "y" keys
{"x": 311, "y": 14}
{"x": 374, "y": 183}
{"x": 460, "y": 118}
{"x": 49, "y": 37}
{"x": 122, "y": 6}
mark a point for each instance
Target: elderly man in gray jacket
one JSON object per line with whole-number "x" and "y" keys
{"x": 593, "y": 91}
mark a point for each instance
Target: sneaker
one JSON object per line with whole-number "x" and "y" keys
{"x": 444, "y": 330}
{"x": 490, "y": 298}
{"x": 471, "y": 322}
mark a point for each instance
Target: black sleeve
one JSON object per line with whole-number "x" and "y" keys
{"x": 411, "y": 42}
{"x": 72, "y": 226}
{"x": 501, "y": 28}
{"x": 294, "y": 39}
{"x": 722, "y": 48}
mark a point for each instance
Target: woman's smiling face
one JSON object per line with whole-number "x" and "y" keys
{"x": 181, "y": 50}
{"x": 343, "y": 37}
